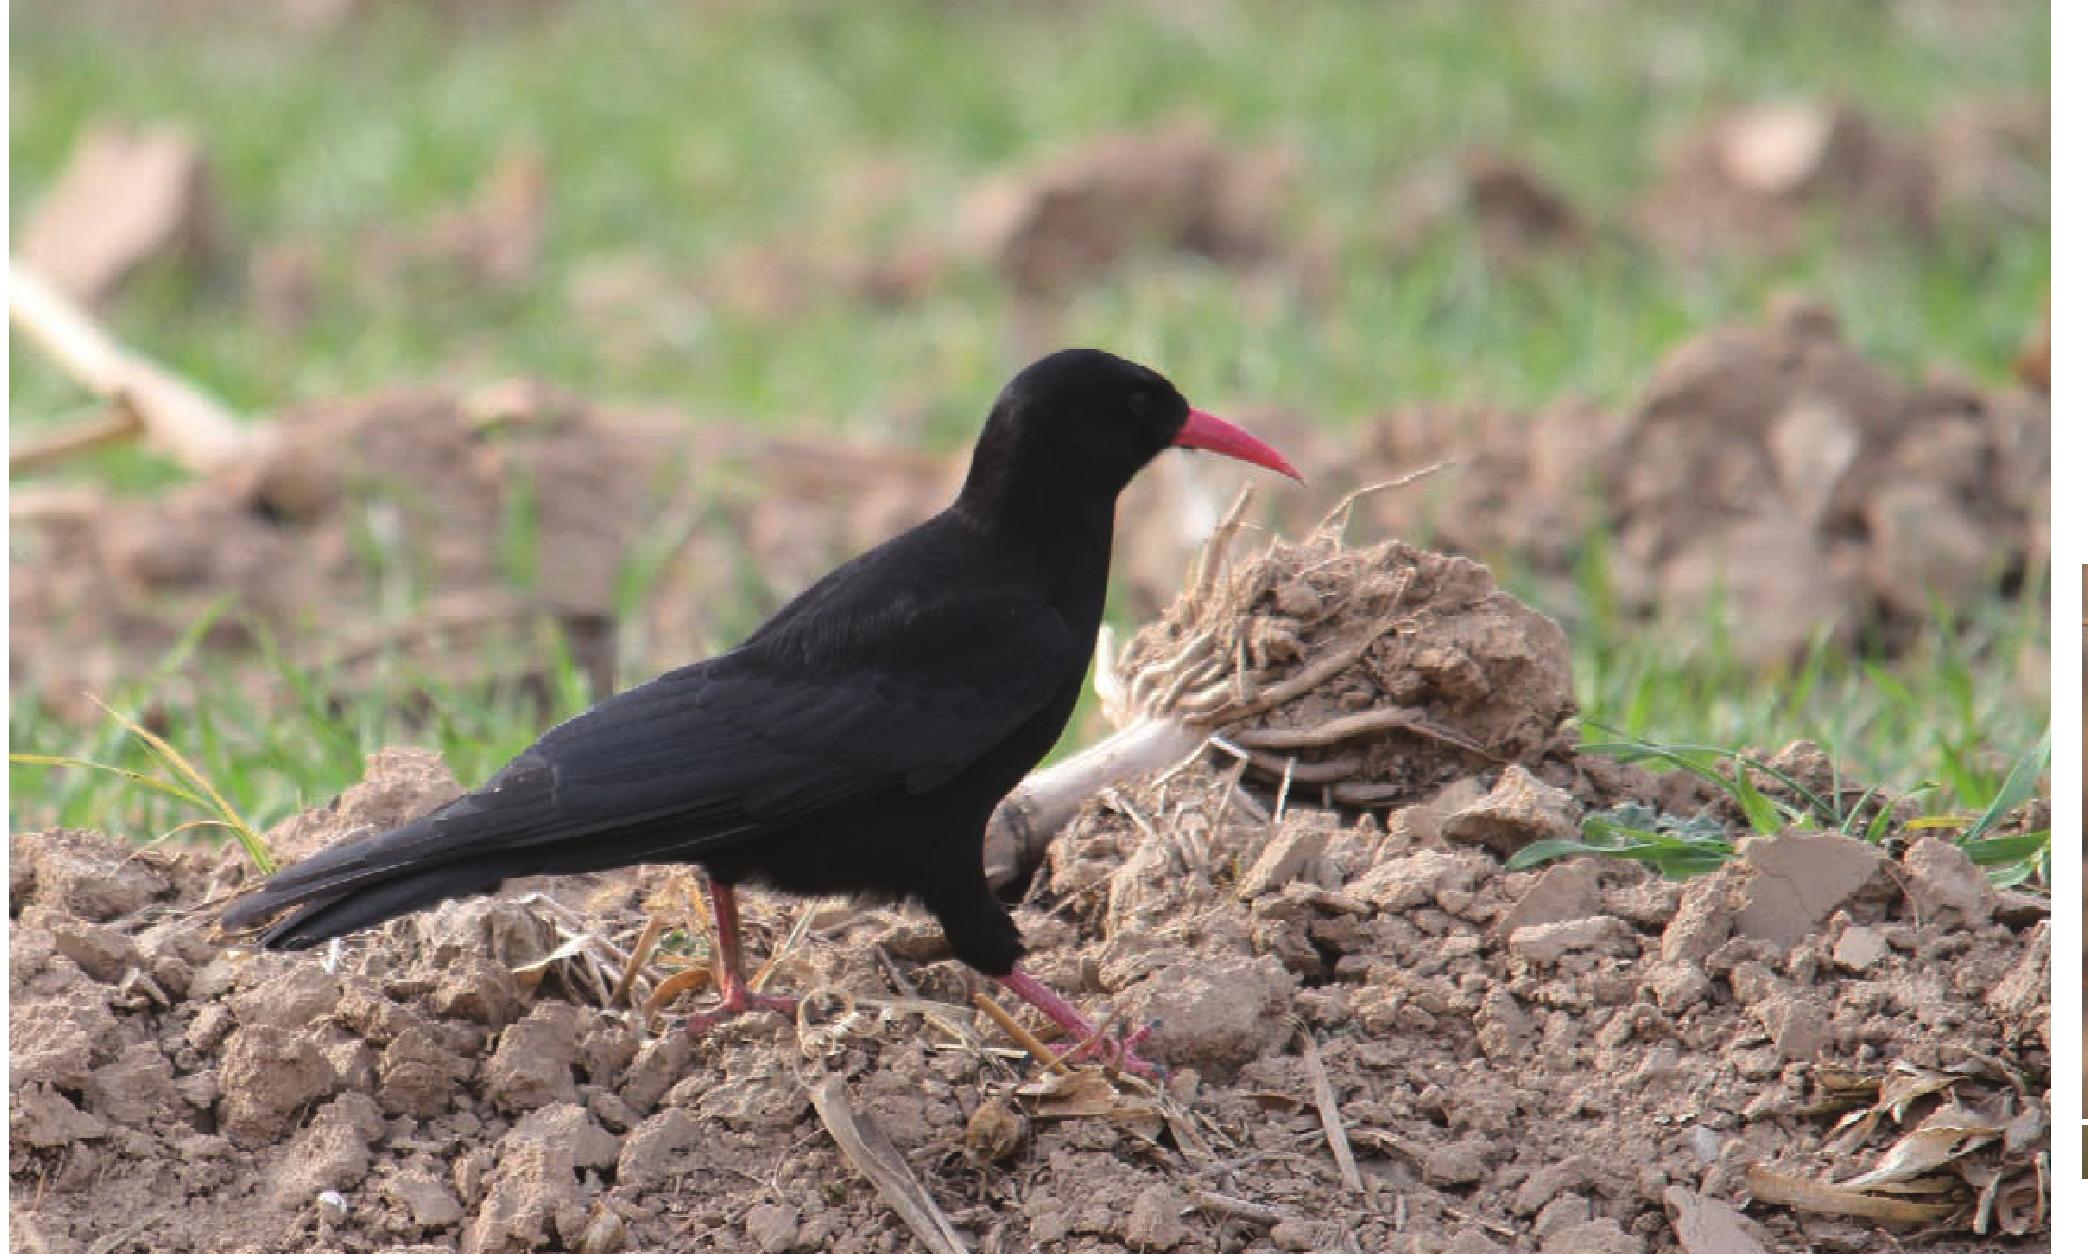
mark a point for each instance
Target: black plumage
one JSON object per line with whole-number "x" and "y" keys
{"x": 857, "y": 742}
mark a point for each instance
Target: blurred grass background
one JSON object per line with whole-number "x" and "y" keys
{"x": 678, "y": 133}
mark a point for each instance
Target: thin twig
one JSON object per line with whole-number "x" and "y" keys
{"x": 1213, "y": 556}
{"x": 1341, "y": 509}
{"x": 119, "y": 425}
{"x": 892, "y": 972}
{"x": 447, "y": 613}
{"x": 1239, "y": 1208}
{"x": 1020, "y": 1035}
{"x": 1329, "y": 1109}
{"x": 641, "y": 949}
{"x": 1312, "y": 676}
{"x": 791, "y": 941}
{"x": 1350, "y": 726}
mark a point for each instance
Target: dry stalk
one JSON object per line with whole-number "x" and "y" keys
{"x": 1329, "y": 1109}
{"x": 1020, "y": 1035}
{"x": 119, "y": 425}
{"x": 641, "y": 952}
{"x": 1046, "y": 801}
{"x": 1239, "y": 1208}
{"x": 867, "y": 1150}
{"x": 688, "y": 979}
{"x": 441, "y": 615}
{"x": 791, "y": 941}
{"x": 52, "y": 502}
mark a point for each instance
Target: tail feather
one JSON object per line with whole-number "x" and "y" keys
{"x": 321, "y": 918}
{"x": 512, "y": 827}
{"x": 363, "y": 882}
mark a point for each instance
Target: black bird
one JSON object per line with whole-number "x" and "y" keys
{"x": 857, "y": 742}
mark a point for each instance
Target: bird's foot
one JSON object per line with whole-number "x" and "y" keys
{"x": 1116, "y": 1051}
{"x": 1084, "y": 1039}
{"x": 738, "y": 1000}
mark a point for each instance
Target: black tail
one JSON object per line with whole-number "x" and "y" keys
{"x": 318, "y": 915}
{"x": 366, "y": 881}
{"x": 512, "y": 827}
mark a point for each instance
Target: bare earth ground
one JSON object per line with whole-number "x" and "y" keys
{"x": 1381, "y": 1039}
{"x": 1521, "y": 1061}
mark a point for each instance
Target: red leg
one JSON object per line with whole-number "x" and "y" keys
{"x": 1084, "y": 1036}
{"x": 735, "y": 998}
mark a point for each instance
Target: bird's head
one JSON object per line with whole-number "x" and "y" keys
{"x": 1085, "y": 421}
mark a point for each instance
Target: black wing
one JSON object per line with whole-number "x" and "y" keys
{"x": 875, "y": 680}
{"x": 902, "y": 698}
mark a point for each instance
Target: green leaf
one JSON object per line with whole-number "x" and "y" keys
{"x": 2020, "y": 786}
{"x": 1538, "y": 852}
{"x": 136, "y": 777}
{"x": 1762, "y": 814}
{"x": 1996, "y": 850}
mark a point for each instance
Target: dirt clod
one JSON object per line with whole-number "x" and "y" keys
{"x": 1520, "y": 809}
{"x": 1799, "y": 880}
{"x": 1777, "y": 475}
{"x": 1746, "y": 180}
{"x": 1516, "y": 209}
{"x": 1083, "y": 210}
{"x": 1943, "y": 882}
{"x": 1444, "y": 673}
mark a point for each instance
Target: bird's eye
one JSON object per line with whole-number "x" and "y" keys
{"x": 1142, "y": 404}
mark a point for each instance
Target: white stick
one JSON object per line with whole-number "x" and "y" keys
{"x": 1046, "y": 801}
{"x": 182, "y": 420}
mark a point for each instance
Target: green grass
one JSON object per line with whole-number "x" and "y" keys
{"x": 679, "y": 133}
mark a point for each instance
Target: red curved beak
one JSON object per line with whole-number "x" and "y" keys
{"x": 1216, "y": 434}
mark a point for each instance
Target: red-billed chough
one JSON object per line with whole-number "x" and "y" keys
{"x": 857, "y": 742}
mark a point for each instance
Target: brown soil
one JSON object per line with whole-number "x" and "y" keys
{"x": 1750, "y": 178}
{"x": 1778, "y": 470}
{"x": 1082, "y": 210}
{"x": 1582, "y": 1059}
{"x": 1515, "y": 209}
{"x": 1754, "y": 179}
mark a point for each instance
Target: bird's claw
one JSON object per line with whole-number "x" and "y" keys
{"x": 735, "y": 1003}
{"x": 1119, "y": 1052}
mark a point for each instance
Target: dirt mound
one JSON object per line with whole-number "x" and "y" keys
{"x": 1555, "y": 1061}
{"x": 519, "y": 504}
{"x": 1777, "y": 472}
{"x": 1755, "y": 179}
{"x": 1516, "y": 210}
{"x": 1371, "y": 676}
{"x": 1751, "y": 178}
{"x": 1772, "y": 470}
{"x": 1081, "y": 211}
